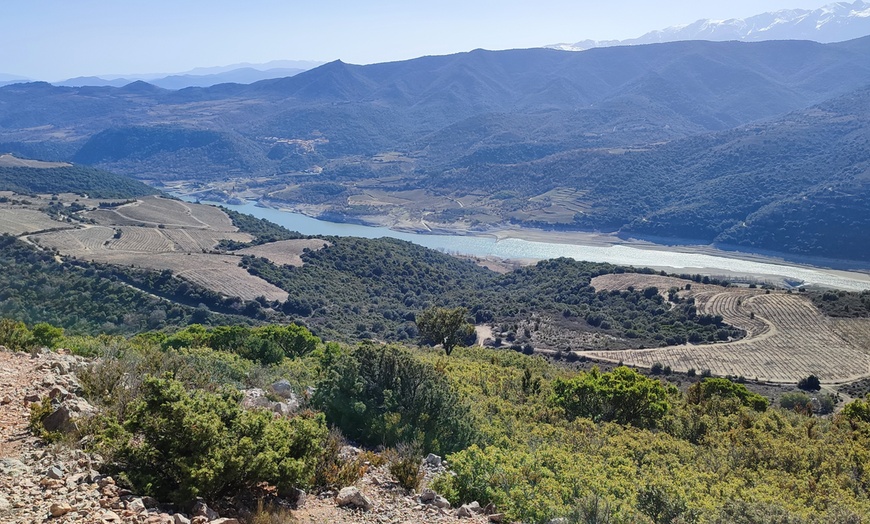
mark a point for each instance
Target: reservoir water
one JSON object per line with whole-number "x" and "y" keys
{"x": 615, "y": 254}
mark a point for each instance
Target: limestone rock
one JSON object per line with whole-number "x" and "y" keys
{"x": 59, "y": 509}
{"x": 352, "y": 496}
{"x": 225, "y": 521}
{"x": 496, "y": 517}
{"x": 283, "y": 389}
{"x": 433, "y": 460}
{"x": 201, "y": 509}
{"x": 136, "y": 505}
{"x": 181, "y": 519}
{"x": 13, "y": 467}
{"x": 55, "y": 472}
{"x": 464, "y": 511}
{"x": 427, "y": 495}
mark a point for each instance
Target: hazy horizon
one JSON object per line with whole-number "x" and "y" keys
{"x": 56, "y": 40}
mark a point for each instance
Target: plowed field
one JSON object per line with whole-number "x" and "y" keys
{"x": 787, "y": 339}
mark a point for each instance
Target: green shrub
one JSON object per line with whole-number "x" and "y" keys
{"x": 722, "y": 389}
{"x": 405, "y": 465}
{"x": 38, "y": 412}
{"x": 267, "y": 344}
{"x": 383, "y": 395}
{"x": 799, "y": 401}
{"x": 15, "y": 335}
{"x": 623, "y": 395}
{"x": 334, "y": 472}
{"x": 179, "y": 444}
{"x": 46, "y": 335}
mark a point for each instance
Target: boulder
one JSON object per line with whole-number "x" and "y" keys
{"x": 283, "y": 389}
{"x": 136, "y": 505}
{"x": 65, "y": 417}
{"x": 201, "y": 509}
{"x": 181, "y": 519}
{"x": 433, "y": 460}
{"x": 295, "y": 496}
{"x": 496, "y": 517}
{"x": 441, "y": 502}
{"x": 464, "y": 511}
{"x": 352, "y": 496}
{"x": 427, "y": 496}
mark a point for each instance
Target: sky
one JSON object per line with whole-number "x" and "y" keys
{"x": 58, "y": 39}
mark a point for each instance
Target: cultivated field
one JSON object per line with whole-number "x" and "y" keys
{"x": 285, "y": 252}
{"x": 787, "y": 339}
{"x": 129, "y": 236}
{"x": 17, "y": 221}
{"x": 155, "y": 211}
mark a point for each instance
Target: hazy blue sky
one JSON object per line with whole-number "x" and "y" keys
{"x": 57, "y": 39}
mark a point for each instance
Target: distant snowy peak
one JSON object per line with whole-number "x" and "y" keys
{"x": 832, "y": 23}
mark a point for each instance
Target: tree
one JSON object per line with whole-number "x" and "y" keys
{"x": 810, "y": 383}
{"x": 444, "y": 326}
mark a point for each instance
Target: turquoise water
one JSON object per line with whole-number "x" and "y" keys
{"x": 516, "y": 248}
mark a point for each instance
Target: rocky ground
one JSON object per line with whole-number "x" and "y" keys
{"x": 60, "y": 483}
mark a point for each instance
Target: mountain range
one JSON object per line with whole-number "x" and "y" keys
{"x": 835, "y": 22}
{"x": 244, "y": 73}
{"x": 734, "y": 143}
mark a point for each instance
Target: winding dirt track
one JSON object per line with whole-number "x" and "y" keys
{"x": 787, "y": 337}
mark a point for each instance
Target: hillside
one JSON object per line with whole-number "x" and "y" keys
{"x": 663, "y": 141}
{"x": 27, "y": 176}
{"x": 795, "y": 184}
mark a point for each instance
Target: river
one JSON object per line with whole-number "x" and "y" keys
{"x": 514, "y": 248}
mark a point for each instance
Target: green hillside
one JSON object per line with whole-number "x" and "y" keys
{"x": 96, "y": 183}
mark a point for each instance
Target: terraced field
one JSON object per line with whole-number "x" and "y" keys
{"x": 285, "y": 252}
{"x": 787, "y": 337}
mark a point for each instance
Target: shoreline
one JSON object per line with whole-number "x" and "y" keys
{"x": 594, "y": 239}
{"x": 602, "y": 240}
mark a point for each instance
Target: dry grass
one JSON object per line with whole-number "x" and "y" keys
{"x": 787, "y": 339}
{"x": 285, "y": 252}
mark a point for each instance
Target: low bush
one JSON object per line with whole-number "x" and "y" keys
{"x": 383, "y": 395}
{"x": 405, "y": 465}
{"x": 178, "y": 444}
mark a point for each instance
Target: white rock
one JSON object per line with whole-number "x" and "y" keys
{"x": 433, "y": 460}
{"x": 180, "y": 519}
{"x": 352, "y": 496}
{"x": 136, "y": 505}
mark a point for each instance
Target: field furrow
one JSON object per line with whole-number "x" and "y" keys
{"x": 141, "y": 240}
{"x": 76, "y": 242}
{"x": 787, "y": 337}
